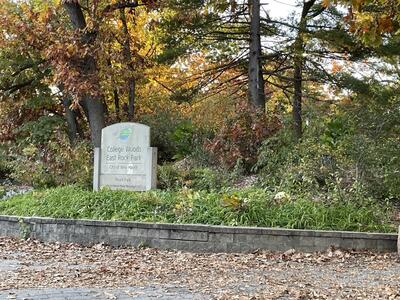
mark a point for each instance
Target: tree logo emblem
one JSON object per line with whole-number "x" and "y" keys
{"x": 125, "y": 134}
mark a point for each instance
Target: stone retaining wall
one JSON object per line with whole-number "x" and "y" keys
{"x": 196, "y": 238}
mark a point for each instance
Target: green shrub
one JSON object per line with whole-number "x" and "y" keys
{"x": 285, "y": 165}
{"x": 183, "y": 139}
{"x": 42, "y": 156}
{"x": 172, "y": 177}
{"x": 40, "y": 131}
{"x": 56, "y": 163}
{"x": 171, "y": 133}
{"x": 377, "y": 163}
{"x": 335, "y": 159}
{"x": 162, "y": 125}
{"x": 4, "y": 163}
{"x": 175, "y": 136}
{"x": 2, "y": 191}
{"x": 206, "y": 179}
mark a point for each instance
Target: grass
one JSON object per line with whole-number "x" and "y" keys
{"x": 249, "y": 207}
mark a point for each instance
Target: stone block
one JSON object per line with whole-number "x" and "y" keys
{"x": 321, "y": 243}
{"x": 162, "y": 244}
{"x": 194, "y": 246}
{"x": 119, "y": 231}
{"x": 158, "y": 233}
{"x": 220, "y": 237}
{"x": 220, "y": 247}
{"x": 188, "y": 235}
{"x": 79, "y": 230}
{"x": 386, "y": 246}
{"x": 244, "y": 238}
{"x": 139, "y": 232}
{"x": 239, "y": 248}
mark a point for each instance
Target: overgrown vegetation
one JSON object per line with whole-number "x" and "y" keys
{"x": 318, "y": 124}
{"x": 249, "y": 207}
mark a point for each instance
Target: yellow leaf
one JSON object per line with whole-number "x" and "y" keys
{"x": 232, "y": 201}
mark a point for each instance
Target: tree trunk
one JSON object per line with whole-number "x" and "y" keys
{"x": 131, "y": 100}
{"x": 298, "y": 71}
{"x": 128, "y": 58}
{"x": 297, "y": 99}
{"x": 116, "y": 104}
{"x": 71, "y": 117}
{"x": 256, "y": 80}
{"x": 105, "y": 108}
{"x": 95, "y": 114}
{"x": 93, "y": 105}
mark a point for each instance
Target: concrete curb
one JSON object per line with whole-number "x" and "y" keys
{"x": 195, "y": 238}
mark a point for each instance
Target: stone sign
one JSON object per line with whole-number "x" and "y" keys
{"x": 125, "y": 160}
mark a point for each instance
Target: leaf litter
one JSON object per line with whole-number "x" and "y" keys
{"x": 333, "y": 274}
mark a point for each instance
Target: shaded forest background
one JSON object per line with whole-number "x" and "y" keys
{"x": 307, "y": 106}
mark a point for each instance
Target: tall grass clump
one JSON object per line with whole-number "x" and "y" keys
{"x": 247, "y": 207}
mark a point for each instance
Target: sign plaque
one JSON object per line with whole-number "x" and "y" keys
{"x": 125, "y": 160}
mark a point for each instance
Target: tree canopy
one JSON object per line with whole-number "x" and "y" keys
{"x": 225, "y": 81}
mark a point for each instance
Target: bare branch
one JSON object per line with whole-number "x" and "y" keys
{"x": 121, "y": 5}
